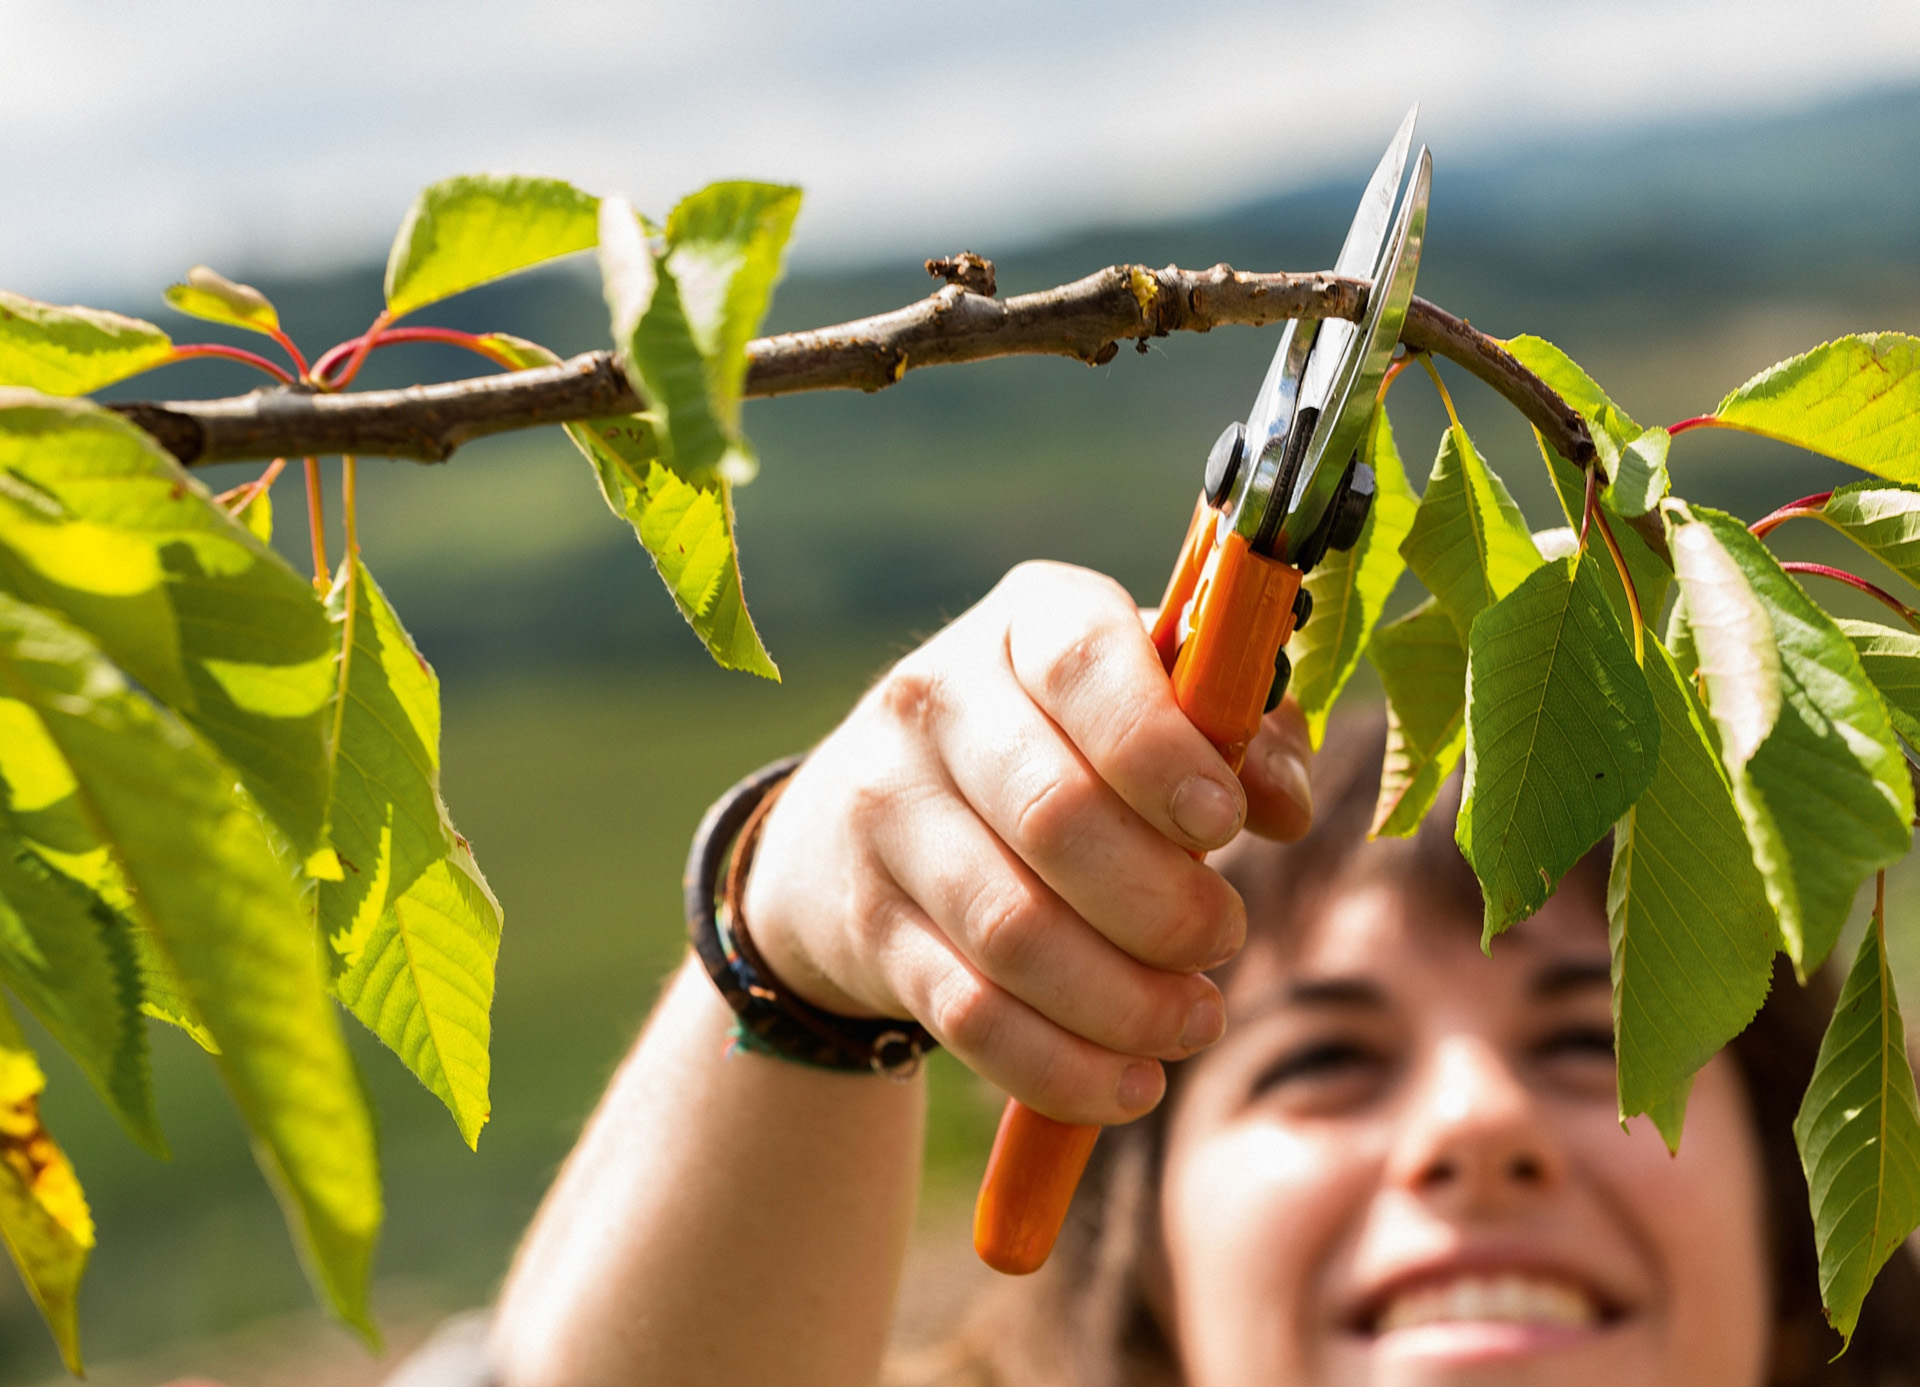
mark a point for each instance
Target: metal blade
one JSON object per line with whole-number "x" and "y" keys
{"x": 1281, "y": 392}
{"x": 1340, "y": 428}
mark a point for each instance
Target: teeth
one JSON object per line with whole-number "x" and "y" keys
{"x": 1509, "y": 1298}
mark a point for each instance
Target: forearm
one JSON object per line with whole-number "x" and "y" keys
{"x": 725, "y": 1218}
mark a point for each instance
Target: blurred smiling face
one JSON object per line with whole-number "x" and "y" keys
{"x": 1404, "y": 1166}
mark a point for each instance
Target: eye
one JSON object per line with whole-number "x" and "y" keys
{"x": 1317, "y": 1063}
{"x": 1578, "y": 1042}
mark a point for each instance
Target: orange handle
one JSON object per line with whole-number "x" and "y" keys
{"x": 1239, "y": 610}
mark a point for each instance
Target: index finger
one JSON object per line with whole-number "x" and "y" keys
{"x": 1078, "y": 648}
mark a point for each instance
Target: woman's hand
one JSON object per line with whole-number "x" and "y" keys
{"x": 996, "y": 841}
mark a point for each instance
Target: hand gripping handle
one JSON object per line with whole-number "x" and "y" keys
{"x": 1241, "y": 615}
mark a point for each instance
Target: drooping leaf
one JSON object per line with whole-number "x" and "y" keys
{"x": 1892, "y": 661}
{"x": 97, "y": 522}
{"x": 1468, "y": 544}
{"x": 687, "y": 530}
{"x": 1856, "y": 399}
{"x": 1817, "y": 773}
{"x": 73, "y": 350}
{"x": 221, "y": 908}
{"x": 1562, "y": 736}
{"x": 463, "y": 231}
{"x": 1633, "y": 459}
{"x": 1423, "y": 666}
{"x": 1882, "y": 519}
{"x": 44, "y": 1217}
{"x": 422, "y": 980}
{"x": 412, "y": 927}
{"x": 256, "y": 516}
{"x": 211, "y": 295}
{"x": 161, "y": 994}
{"x": 1350, "y": 588}
{"x": 1859, "y": 1136}
{"x": 1692, "y": 934}
{"x": 69, "y": 956}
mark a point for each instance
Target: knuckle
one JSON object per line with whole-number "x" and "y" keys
{"x": 967, "y": 1012}
{"x": 1055, "y": 815}
{"x": 1007, "y": 920}
{"x": 913, "y": 695}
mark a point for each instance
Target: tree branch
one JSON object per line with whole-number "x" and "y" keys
{"x": 1087, "y": 319}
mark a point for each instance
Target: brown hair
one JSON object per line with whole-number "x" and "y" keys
{"x": 1087, "y": 1319}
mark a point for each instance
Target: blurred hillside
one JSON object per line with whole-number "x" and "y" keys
{"x": 585, "y": 730}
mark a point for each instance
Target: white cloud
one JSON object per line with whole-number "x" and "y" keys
{"x": 140, "y": 137}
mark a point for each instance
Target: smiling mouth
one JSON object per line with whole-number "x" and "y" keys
{"x": 1515, "y": 1298}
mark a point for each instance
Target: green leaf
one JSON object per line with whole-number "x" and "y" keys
{"x": 211, "y": 295}
{"x": 256, "y": 516}
{"x": 1469, "y": 544}
{"x": 97, "y": 522}
{"x": 1859, "y": 1136}
{"x": 462, "y": 232}
{"x": 1633, "y": 459}
{"x": 221, "y": 907}
{"x": 1351, "y": 587}
{"x": 43, "y": 1213}
{"x": 422, "y": 980}
{"x": 1856, "y": 399}
{"x": 1652, "y": 573}
{"x": 69, "y": 956}
{"x": 1423, "y": 666}
{"x": 1562, "y": 736}
{"x": 412, "y": 927}
{"x": 73, "y": 351}
{"x": 1892, "y": 661}
{"x": 1693, "y": 936}
{"x": 1883, "y": 520}
{"x": 687, "y": 530}
{"x": 163, "y": 997}
{"x": 1817, "y": 773}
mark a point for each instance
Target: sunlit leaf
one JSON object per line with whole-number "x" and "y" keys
{"x": 1562, "y": 736}
{"x": 1856, "y": 399}
{"x": 73, "y": 351}
{"x": 412, "y": 926}
{"x": 97, "y": 522}
{"x": 1859, "y": 1136}
{"x": 1693, "y": 936}
{"x": 1422, "y": 664}
{"x": 1351, "y": 587}
{"x": 687, "y": 530}
{"x": 1817, "y": 773}
{"x": 221, "y": 908}
{"x": 211, "y": 295}
{"x": 1633, "y": 459}
{"x": 1892, "y": 661}
{"x": 1469, "y": 544}
{"x": 43, "y": 1213}
{"x": 1881, "y": 518}
{"x": 462, "y": 232}
{"x": 69, "y": 956}
{"x": 1652, "y": 573}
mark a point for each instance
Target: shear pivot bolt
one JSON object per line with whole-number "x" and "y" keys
{"x": 1223, "y": 463}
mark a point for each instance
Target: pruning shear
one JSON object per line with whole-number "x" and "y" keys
{"x": 1280, "y": 490}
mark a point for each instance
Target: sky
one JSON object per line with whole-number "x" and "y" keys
{"x": 141, "y": 136}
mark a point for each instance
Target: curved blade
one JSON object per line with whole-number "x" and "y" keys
{"x": 1295, "y": 378}
{"x": 1340, "y": 427}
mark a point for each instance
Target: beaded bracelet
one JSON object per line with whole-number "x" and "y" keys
{"x": 768, "y": 1018}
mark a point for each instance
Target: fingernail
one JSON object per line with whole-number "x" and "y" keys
{"x": 1140, "y": 1086}
{"x": 1205, "y": 810}
{"x": 1204, "y": 1024}
{"x": 1287, "y": 769}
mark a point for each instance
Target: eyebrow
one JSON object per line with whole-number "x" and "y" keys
{"x": 1559, "y": 978}
{"x": 1344, "y": 992}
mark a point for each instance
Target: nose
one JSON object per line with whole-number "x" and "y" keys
{"x": 1473, "y": 1136}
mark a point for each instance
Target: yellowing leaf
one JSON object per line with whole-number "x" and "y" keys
{"x": 43, "y": 1214}
{"x": 1423, "y": 666}
{"x": 73, "y": 351}
{"x": 211, "y": 295}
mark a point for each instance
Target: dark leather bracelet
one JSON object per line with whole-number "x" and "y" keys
{"x": 767, "y": 1017}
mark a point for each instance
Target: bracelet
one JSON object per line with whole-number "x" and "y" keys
{"x": 768, "y": 1019}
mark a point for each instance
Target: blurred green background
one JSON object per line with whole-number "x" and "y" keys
{"x": 585, "y": 730}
